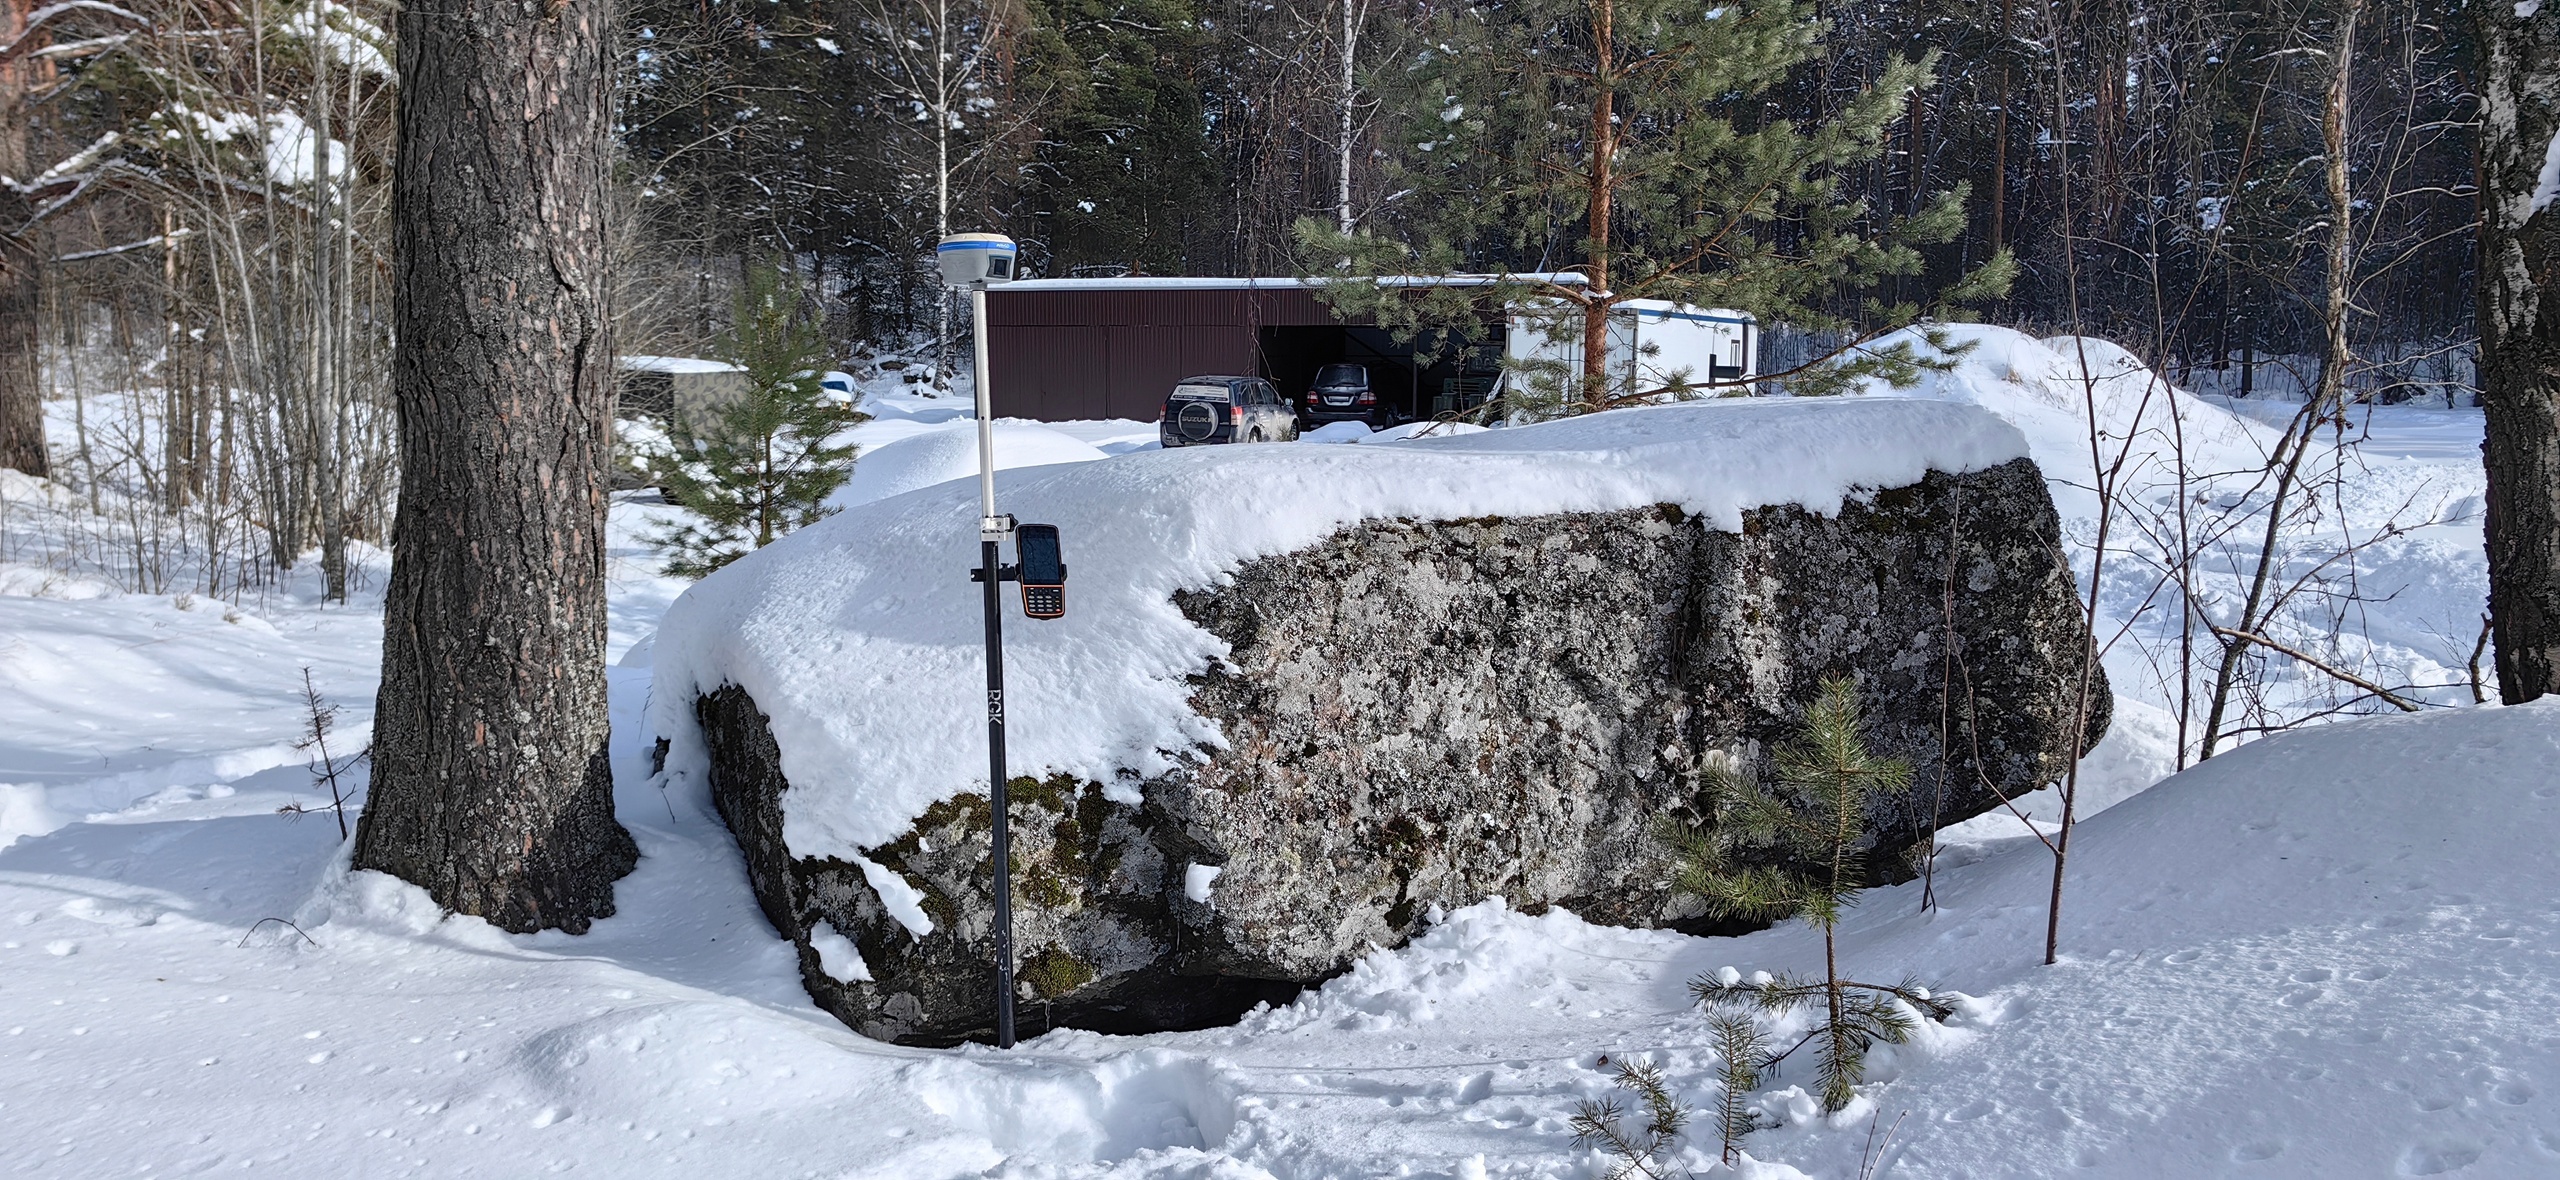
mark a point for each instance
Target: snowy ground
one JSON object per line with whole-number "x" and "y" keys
{"x": 2325, "y": 954}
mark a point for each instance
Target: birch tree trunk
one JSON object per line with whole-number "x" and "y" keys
{"x": 2519, "y": 320}
{"x": 491, "y": 786}
{"x": 21, "y": 397}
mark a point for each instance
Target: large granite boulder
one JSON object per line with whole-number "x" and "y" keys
{"x": 1421, "y": 713}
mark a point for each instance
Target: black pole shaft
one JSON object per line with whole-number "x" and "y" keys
{"x": 998, "y": 798}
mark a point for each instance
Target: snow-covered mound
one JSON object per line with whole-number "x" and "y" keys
{"x": 1359, "y": 432}
{"x": 887, "y": 398}
{"x": 1423, "y": 432}
{"x": 2046, "y": 389}
{"x": 944, "y": 453}
{"x": 2391, "y": 527}
{"x": 860, "y": 636}
{"x": 2327, "y": 953}
{"x": 1337, "y": 432}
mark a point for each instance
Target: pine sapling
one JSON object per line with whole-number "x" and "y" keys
{"x": 762, "y": 463}
{"x": 1641, "y": 1151}
{"x": 1737, "y": 1040}
{"x": 319, "y": 717}
{"x": 1805, "y": 842}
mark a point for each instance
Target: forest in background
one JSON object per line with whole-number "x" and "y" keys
{"x": 197, "y": 213}
{"x": 1168, "y": 137}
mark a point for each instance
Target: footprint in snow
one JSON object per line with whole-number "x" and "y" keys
{"x": 2256, "y": 1150}
{"x": 2438, "y": 1158}
{"x": 2512, "y": 1093}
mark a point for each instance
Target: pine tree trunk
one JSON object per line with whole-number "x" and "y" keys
{"x": 1603, "y": 181}
{"x": 21, "y": 396}
{"x": 2519, "y": 322}
{"x": 491, "y": 786}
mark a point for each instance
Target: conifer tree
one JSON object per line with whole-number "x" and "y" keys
{"x": 1640, "y": 1151}
{"x": 1794, "y": 852}
{"x": 1738, "y": 1043}
{"x": 1629, "y": 140}
{"x": 762, "y": 463}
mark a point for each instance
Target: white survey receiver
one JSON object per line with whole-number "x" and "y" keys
{"x": 974, "y": 260}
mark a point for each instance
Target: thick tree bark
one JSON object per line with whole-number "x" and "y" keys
{"x": 491, "y": 787}
{"x": 2519, "y": 321}
{"x": 21, "y": 398}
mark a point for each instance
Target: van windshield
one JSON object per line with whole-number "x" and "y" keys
{"x": 1199, "y": 393}
{"x": 1352, "y": 375}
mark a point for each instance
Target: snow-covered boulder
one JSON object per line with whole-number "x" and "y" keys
{"x": 1305, "y": 694}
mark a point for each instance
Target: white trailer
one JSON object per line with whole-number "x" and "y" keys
{"x": 1653, "y": 343}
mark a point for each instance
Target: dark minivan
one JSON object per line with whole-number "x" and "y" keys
{"x": 1204, "y": 410}
{"x": 1342, "y": 393}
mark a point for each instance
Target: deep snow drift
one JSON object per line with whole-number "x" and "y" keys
{"x": 854, "y": 637}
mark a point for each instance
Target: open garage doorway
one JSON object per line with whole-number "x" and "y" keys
{"x": 1417, "y": 379}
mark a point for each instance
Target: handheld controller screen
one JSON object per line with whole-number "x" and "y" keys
{"x": 1044, "y": 570}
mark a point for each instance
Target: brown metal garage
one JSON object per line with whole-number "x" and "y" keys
{"x": 1061, "y": 349}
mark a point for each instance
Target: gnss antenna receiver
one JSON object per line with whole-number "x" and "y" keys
{"x": 973, "y": 262}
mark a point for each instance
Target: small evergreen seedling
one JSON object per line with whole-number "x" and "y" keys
{"x": 320, "y": 717}
{"x": 1639, "y": 1151}
{"x": 1737, "y": 1040}
{"x": 1807, "y": 838}
{"x": 760, "y": 464}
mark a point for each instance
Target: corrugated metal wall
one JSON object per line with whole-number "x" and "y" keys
{"x": 1100, "y": 352}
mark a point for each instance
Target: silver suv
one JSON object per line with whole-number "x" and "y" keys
{"x": 1204, "y": 410}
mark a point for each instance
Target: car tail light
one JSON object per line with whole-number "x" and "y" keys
{"x": 1368, "y": 398}
{"x": 1235, "y": 415}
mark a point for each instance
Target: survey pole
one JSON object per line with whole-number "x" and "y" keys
{"x": 973, "y": 261}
